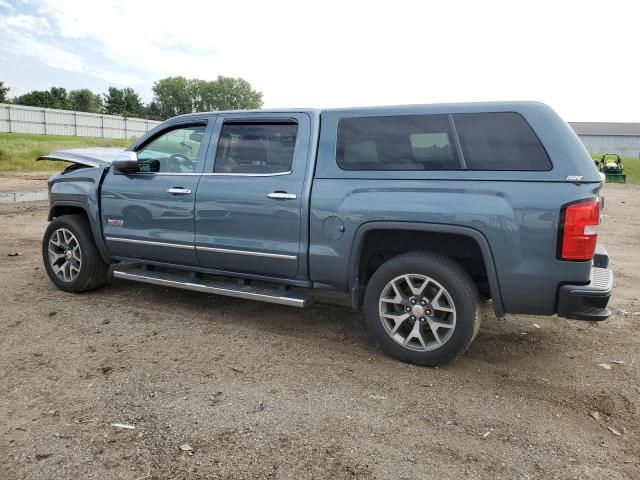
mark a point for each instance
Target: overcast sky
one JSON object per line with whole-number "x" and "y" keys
{"x": 582, "y": 57}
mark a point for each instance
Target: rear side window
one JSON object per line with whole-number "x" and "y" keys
{"x": 256, "y": 148}
{"x": 407, "y": 142}
{"x": 499, "y": 141}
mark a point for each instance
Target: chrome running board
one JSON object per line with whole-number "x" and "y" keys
{"x": 218, "y": 287}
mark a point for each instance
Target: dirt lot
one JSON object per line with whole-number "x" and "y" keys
{"x": 267, "y": 391}
{"x": 23, "y": 181}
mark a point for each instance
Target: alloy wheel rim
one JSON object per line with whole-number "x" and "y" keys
{"x": 65, "y": 255}
{"x": 417, "y": 312}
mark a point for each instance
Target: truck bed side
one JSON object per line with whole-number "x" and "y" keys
{"x": 519, "y": 223}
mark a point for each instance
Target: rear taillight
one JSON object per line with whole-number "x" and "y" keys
{"x": 580, "y": 230}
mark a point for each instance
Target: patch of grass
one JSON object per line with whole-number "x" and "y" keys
{"x": 631, "y": 167}
{"x": 18, "y": 151}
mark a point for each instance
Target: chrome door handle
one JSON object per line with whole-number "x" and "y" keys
{"x": 179, "y": 191}
{"x": 282, "y": 195}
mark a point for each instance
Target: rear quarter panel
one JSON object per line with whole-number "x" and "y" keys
{"x": 519, "y": 221}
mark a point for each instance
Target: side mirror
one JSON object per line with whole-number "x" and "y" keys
{"x": 125, "y": 162}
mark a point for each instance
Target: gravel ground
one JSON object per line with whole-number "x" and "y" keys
{"x": 23, "y": 181}
{"x": 253, "y": 391}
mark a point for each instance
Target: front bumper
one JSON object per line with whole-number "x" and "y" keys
{"x": 588, "y": 302}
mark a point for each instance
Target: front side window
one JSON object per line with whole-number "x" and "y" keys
{"x": 407, "y": 142}
{"x": 175, "y": 151}
{"x": 500, "y": 141}
{"x": 256, "y": 148}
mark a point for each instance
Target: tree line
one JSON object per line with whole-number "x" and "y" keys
{"x": 171, "y": 96}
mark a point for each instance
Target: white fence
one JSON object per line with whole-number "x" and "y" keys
{"x": 47, "y": 121}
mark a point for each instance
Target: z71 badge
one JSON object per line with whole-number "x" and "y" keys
{"x": 115, "y": 222}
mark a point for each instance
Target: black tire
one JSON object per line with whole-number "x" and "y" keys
{"x": 453, "y": 279}
{"x": 93, "y": 271}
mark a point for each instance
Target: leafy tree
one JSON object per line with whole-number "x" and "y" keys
{"x": 172, "y": 96}
{"x": 59, "y": 97}
{"x": 123, "y": 101}
{"x": 153, "y": 111}
{"x": 227, "y": 93}
{"x": 35, "y": 98}
{"x": 84, "y": 100}
{"x": 133, "y": 106}
{"x": 178, "y": 95}
{"x": 56, "y": 97}
{"x": 197, "y": 90}
{"x": 3, "y": 92}
{"x": 114, "y": 101}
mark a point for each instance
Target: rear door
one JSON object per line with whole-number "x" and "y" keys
{"x": 149, "y": 214}
{"x": 249, "y": 199}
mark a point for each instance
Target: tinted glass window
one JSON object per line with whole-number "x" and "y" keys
{"x": 499, "y": 141}
{"x": 256, "y": 148}
{"x": 175, "y": 151}
{"x": 408, "y": 142}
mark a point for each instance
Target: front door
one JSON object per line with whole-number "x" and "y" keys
{"x": 250, "y": 196}
{"x": 149, "y": 214}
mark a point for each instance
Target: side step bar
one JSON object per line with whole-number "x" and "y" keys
{"x": 218, "y": 287}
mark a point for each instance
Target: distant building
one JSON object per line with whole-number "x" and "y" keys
{"x": 603, "y": 137}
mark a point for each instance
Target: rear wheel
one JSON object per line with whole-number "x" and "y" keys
{"x": 422, "y": 308}
{"x": 70, "y": 255}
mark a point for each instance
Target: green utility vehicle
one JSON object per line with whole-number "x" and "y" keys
{"x": 612, "y": 169}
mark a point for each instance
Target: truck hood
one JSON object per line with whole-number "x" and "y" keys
{"x": 91, "y": 157}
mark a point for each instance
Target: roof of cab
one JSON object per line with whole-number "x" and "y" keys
{"x": 517, "y": 106}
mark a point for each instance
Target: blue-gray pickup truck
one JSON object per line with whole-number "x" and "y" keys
{"x": 419, "y": 213}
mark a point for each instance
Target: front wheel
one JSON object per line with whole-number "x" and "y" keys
{"x": 70, "y": 255}
{"x": 422, "y": 308}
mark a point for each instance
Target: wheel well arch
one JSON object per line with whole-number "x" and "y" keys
{"x": 376, "y": 242}
{"x": 58, "y": 210}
